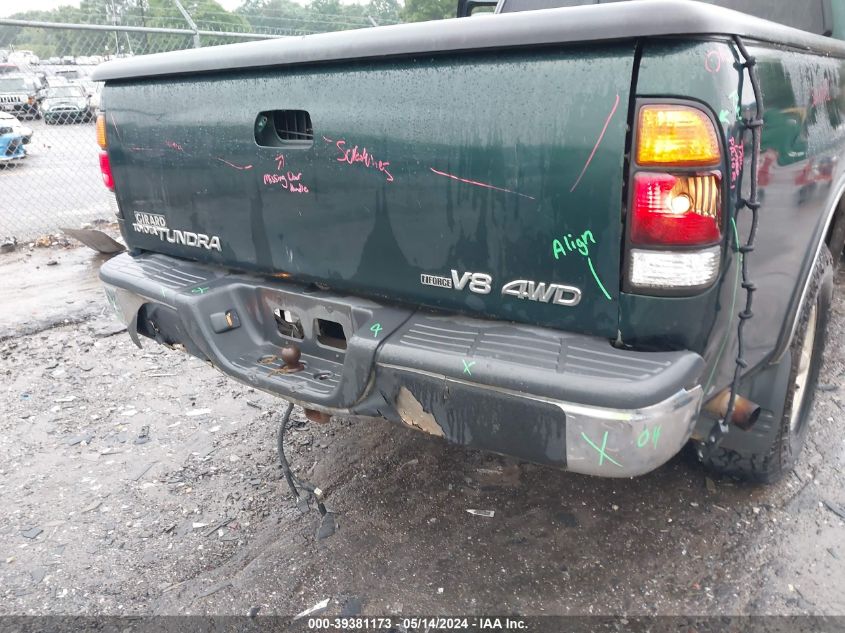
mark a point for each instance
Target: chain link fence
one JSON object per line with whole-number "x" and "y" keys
{"x": 49, "y": 158}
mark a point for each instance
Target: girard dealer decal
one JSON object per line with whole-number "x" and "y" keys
{"x": 154, "y": 224}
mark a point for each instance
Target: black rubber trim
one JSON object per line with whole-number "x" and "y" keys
{"x": 593, "y": 23}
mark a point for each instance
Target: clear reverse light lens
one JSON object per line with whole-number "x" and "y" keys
{"x": 674, "y": 269}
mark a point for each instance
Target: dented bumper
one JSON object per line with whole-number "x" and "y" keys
{"x": 550, "y": 397}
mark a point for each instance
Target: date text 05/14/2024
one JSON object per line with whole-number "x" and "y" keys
{"x": 411, "y": 624}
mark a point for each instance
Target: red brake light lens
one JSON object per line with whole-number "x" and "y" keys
{"x": 676, "y": 210}
{"x": 105, "y": 169}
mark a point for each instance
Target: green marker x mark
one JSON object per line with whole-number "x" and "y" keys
{"x": 467, "y": 367}
{"x": 199, "y": 290}
{"x": 602, "y": 453}
{"x": 375, "y": 328}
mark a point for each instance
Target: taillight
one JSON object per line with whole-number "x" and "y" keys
{"x": 101, "y": 131}
{"x": 102, "y": 141}
{"x": 105, "y": 169}
{"x": 676, "y": 210}
{"x": 676, "y": 135}
{"x": 675, "y": 220}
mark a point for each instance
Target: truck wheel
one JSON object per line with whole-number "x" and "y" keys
{"x": 766, "y": 454}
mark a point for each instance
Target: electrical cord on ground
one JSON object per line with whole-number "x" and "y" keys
{"x": 295, "y": 483}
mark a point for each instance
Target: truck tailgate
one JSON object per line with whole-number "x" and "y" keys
{"x": 485, "y": 183}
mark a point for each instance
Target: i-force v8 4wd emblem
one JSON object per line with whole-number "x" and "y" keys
{"x": 482, "y": 284}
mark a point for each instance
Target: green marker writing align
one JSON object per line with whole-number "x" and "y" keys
{"x": 572, "y": 244}
{"x": 580, "y": 246}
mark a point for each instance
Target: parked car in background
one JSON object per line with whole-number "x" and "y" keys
{"x": 71, "y": 74}
{"x": 92, "y": 89}
{"x": 19, "y": 94}
{"x": 66, "y": 104}
{"x": 11, "y": 145}
{"x": 10, "y": 120}
{"x": 24, "y": 58}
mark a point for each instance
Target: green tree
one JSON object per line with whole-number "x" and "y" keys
{"x": 285, "y": 17}
{"x": 281, "y": 17}
{"x": 209, "y": 15}
{"x": 385, "y": 11}
{"x": 421, "y": 10}
{"x": 278, "y": 17}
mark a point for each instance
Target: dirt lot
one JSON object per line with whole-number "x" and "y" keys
{"x": 145, "y": 482}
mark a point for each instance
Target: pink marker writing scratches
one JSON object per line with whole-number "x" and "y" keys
{"x": 479, "y": 184}
{"x": 241, "y": 167}
{"x": 114, "y": 126}
{"x": 598, "y": 142}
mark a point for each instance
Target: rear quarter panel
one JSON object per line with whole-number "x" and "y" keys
{"x": 800, "y": 174}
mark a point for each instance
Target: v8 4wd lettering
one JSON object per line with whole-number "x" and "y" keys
{"x": 482, "y": 283}
{"x": 595, "y": 201}
{"x": 533, "y": 291}
{"x": 479, "y": 283}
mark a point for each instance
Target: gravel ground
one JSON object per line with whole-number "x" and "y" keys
{"x": 145, "y": 482}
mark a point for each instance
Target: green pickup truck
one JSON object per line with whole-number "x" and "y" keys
{"x": 584, "y": 236}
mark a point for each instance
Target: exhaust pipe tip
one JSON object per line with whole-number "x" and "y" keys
{"x": 745, "y": 413}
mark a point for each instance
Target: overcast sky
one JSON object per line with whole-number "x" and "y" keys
{"x": 8, "y": 7}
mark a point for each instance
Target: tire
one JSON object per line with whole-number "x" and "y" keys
{"x": 765, "y": 455}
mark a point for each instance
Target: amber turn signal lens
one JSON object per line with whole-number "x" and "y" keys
{"x": 676, "y": 135}
{"x": 101, "y": 131}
